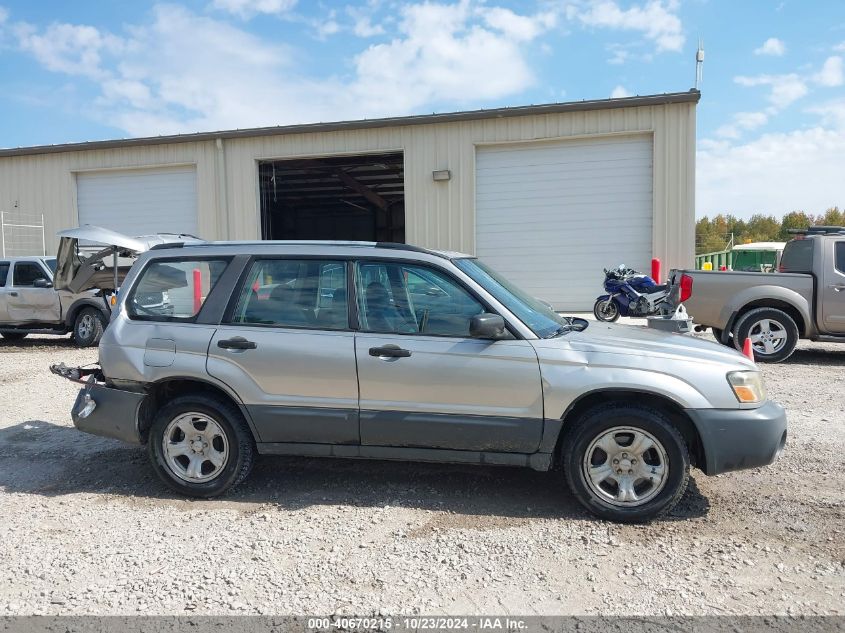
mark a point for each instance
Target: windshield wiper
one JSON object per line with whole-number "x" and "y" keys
{"x": 563, "y": 329}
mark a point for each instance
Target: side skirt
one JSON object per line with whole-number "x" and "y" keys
{"x": 535, "y": 461}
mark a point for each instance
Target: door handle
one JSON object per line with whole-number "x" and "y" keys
{"x": 13, "y": 294}
{"x": 837, "y": 287}
{"x": 391, "y": 351}
{"x": 237, "y": 342}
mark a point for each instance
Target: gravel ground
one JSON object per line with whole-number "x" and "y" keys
{"x": 86, "y": 528}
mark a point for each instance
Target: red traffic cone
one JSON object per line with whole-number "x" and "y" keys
{"x": 748, "y": 349}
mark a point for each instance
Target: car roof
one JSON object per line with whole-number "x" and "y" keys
{"x": 306, "y": 247}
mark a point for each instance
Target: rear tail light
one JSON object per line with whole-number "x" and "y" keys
{"x": 686, "y": 287}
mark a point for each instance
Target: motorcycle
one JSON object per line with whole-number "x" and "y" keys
{"x": 630, "y": 293}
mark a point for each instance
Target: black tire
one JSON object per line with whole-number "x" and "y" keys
{"x": 780, "y": 323}
{"x": 606, "y": 311}
{"x": 14, "y": 336}
{"x": 239, "y": 442}
{"x": 88, "y": 327}
{"x": 717, "y": 333}
{"x": 601, "y": 420}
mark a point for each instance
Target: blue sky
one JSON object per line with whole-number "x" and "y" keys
{"x": 771, "y": 122}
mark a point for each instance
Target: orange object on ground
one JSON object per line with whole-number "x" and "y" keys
{"x": 748, "y": 349}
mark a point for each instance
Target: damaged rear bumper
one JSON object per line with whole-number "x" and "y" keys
{"x": 102, "y": 410}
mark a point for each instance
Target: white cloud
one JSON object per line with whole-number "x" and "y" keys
{"x": 248, "y": 8}
{"x": 68, "y": 48}
{"x": 619, "y": 92}
{"x": 772, "y": 46}
{"x": 656, "y": 19}
{"x": 185, "y": 72}
{"x": 774, "y": 173}
{"x": 742, "y": 121}
{"x": 4, "y": 15}
{"x": 518, "y": 27}
{"x": 784, "y": 89}
{"x": 440, "y": 54}
{"x": 831, "y": 73}
{"x": 840, "y": 48}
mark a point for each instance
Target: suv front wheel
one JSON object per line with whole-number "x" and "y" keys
{"x": 626, "y": 463}
{"x": 200, "y": 445}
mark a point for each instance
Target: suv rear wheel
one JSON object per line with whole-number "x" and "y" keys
{"x": 626, "y": 463}
{"x": 200, "y": 446}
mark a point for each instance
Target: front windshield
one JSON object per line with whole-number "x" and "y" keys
{"x": 539, "y": 317}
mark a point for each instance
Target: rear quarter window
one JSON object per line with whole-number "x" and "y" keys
{"x": 839, "y": 254}
{"x": 798, "y": 256}
{"x": 169, "y": 290}
{"x": 4, "y": 272}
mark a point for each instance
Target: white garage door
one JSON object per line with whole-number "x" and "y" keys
{"x": 551, "y": 215}
{"x": 139, "y": 201}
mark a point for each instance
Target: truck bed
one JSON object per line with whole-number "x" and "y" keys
{"x": 717, "y": 294}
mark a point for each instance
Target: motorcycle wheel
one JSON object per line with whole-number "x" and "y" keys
{"x": 606, "y": 311}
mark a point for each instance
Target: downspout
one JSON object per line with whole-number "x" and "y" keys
{"x": 224, "y": 231}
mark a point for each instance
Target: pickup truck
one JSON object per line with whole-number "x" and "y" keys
{"x": 805, "y": 299}
{"x": 39, "y": 297}
{"x": 29, "y": 304}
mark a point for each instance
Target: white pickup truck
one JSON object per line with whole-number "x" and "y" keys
{"x": 38, "y": 298}
{"x": 804, "y": 299}
{"x": 29, "y": 304}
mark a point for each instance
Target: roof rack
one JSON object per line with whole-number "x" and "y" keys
{"x": 818, "y": 230}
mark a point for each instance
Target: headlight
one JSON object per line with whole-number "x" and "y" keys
{"x": 748, "y": 386}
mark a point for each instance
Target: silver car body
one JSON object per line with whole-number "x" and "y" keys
{"x": 323, "y": 392}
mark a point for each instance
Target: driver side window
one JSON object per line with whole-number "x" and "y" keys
{"x": 402, "y": 298}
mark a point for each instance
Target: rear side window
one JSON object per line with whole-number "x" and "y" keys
{"x": 840, "y": 257}
{"x": 293, "y": 293}
{"x": 26, "y": 273}
{"x": 797, "y": 256}
{"x": 4, "y": 272}
{"x": 174, "y": 290}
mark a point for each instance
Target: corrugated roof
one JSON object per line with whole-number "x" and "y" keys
{"x": 692, "y": 96}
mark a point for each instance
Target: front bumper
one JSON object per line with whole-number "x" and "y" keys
{"x": 736, "y": 439}
{"x": 115, "y": 412}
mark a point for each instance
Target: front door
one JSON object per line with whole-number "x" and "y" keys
{"x": 25, "y": 302}
{"x": 833, "y": 290}
{"x": 288, "y": 352}
{"x": 424, "y": 382}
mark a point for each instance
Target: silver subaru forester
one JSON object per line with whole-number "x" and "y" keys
{"x": 389, "y": 351}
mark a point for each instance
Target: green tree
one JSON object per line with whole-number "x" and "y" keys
{"x": 794, "y": 220}
{"x": 832, "y": 217}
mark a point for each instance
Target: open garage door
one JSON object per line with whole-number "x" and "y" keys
{"x": 334, "y": 198}
{"x": 550, "y": 216}
{"x": 139, "y": 201}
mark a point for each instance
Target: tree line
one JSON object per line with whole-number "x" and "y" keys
{"x": 714, "y": 234}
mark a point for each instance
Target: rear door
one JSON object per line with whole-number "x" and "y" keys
{"x": 833, "y": 288}
{"x": 25, "y": 302}
{"x": 424, "y": 381}
{"x": 286, "y": 349}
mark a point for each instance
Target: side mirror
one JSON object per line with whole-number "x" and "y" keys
{"x": 489, "y": 326}
{"x": 41, "y": 283}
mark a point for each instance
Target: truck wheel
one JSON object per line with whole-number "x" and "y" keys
{"x": 606, "y": 310}
{"x": 14, "y": 336}
{"x": 626, "y": 463}
{"x": 88, "y": 327}
{"x": 717, "y": 334}
{"x": 773, "y": 334}
{"x": 200, "y": 446}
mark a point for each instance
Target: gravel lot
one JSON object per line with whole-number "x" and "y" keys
{"x": 85, "y": 527}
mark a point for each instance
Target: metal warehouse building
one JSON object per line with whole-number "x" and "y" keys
{"x": 547, "y": 195}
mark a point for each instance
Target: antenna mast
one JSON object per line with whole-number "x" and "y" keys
{"x": 699, "y": 64}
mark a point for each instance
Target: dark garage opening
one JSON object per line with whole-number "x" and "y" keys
{"x": 333, "y": 198}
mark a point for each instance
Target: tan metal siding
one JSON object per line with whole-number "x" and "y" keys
{"x": 438, "y": 214}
